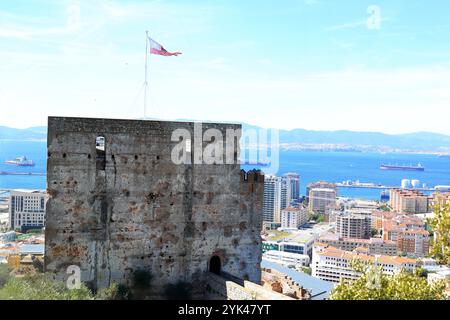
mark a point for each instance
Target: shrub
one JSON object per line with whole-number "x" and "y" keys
{"x": 114, "y": 292}
{"x": 4, "y": 274}
{"x": 34, "y": 231}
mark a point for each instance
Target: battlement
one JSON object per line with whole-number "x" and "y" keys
{"x": 252, "y": 176}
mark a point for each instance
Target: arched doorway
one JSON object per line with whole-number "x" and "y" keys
{"x": 214, "y": 265}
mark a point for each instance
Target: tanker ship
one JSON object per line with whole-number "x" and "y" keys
{"x": 419, "y": 167}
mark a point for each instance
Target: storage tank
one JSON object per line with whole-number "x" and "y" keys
{"x": 415, "y": 183}
{"x": 406, "y": 183}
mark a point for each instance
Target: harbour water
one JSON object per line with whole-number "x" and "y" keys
{"x": 311, "y": 166}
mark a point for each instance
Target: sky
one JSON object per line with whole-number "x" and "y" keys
{"x": 313, "y": 64}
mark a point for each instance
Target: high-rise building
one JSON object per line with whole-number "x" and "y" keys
{"x": 321, "y": 199}
{"x": 272, "y": 199}
{"x": 292, "y": 180}
{"x": 278, "y": 195}
{"x": 284, "y": 200}
{"x": 27, "y": 209}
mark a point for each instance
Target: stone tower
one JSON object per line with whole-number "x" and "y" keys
{"x": 118, "y": 203}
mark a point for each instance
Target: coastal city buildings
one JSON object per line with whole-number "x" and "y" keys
{"x": 20, "y": 249}
{"x": 442, "y": 197}
{"x": 321, "y": 199}
{"x": 373, "y": 245}
{"x": 414, "y": 242}
{"x": 408, "y": 232}
{"x": 332, "y": 264}
{"x": 319, "y": 184}
{"x": 287, "y": 258}
{"x": 279, "y": 193}
{"x": 301, "y": 244}
{"x": 27, "y": 209}
{"x": 294, "y": 217}
{"x": 409, "y": 201}
{"x": 295, "y": 241}
{"x": 351, "y": 225}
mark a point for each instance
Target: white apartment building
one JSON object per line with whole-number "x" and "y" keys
{"x": 286, "y": 258}
{"x": 332, "y": 264}
{"x": 27, "y": 209}
{"x": 272, "y": 199}
{"x": 278, "y": 194}
{"x": 293, "y": 217}
{"x": 321, "y": 199}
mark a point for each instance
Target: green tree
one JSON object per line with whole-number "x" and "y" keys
{"x": 373, "y": 284}
{"x": 373, "y": 232}
{"x": 306, "y": 270}
{"x": 440, "y": 223}
{"x": 317, "y": 217}
{"x": 4, "y": 274}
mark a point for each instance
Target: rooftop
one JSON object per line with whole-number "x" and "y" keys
{"x": 32, "y": 249}
{"x": 323, "y": 189}
{"x": 27, "y": 191}
{"x": 302, "y": 235}
{"x": 380, "y": 259}
{"x": 335, "y": 237}
{"x": 319, "y": 289}
{"x": 286, "y": 254}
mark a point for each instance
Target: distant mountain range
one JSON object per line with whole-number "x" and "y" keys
{"x": 33, "y": 133}
{"x": 309, "y": 139}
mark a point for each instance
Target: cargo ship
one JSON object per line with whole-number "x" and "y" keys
{"x": 259, "y": 163}
{"x": 419, "y": 167}
{"x": 21, "y": 161}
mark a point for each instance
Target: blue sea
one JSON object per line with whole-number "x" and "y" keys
{"x": 311, "y": 166}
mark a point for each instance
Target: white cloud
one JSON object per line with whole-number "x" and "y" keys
{"x": 352, "y": 25}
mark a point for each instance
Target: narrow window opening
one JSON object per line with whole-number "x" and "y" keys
{"x": 100, "y": 147}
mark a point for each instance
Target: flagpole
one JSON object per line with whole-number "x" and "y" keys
{"x": 146, "y": 83}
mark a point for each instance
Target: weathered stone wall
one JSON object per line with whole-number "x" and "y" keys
{"x": 143, "y": 211}
{"x": 220, "y": 288}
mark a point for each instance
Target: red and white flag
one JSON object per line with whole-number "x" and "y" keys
{"x": 156, "y": 48}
